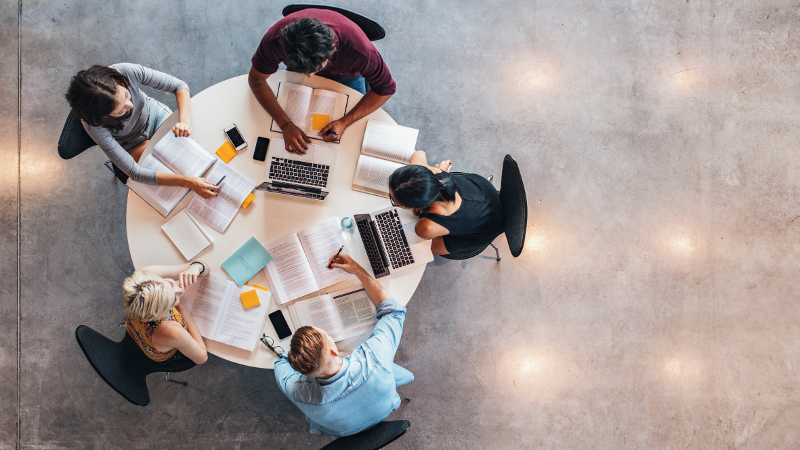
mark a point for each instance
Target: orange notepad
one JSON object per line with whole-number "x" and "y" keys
{"x": 248, "y": 200}
{"x": 226, "y": 152}
{"x": 249, "y": 299}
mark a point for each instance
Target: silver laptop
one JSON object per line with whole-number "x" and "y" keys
{"x": 299, "y": 175}
{"x": 392, "y": 245}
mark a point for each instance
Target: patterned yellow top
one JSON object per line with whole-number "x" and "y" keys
{"x": 141, "y": 332}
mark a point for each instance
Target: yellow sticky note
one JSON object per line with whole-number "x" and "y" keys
{"x": 259, "y": 287}
{"x": 226, "y": 152}
{"x": 318, "y": 121}
{"x": 248, "y": 200}
{"x": 249, "y": 299}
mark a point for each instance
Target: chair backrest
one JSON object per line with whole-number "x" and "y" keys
{"x": 123, "y": 365}
{"x": 373, "y": 438}
{"x": 372, "y": 29}
{"x": 515, "y": 205}
{"x": 74, "y": 139}
{"x": 465, "y": 255}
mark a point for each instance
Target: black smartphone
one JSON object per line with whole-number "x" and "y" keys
{"x": 280, "y": 325}
{"x": 260, "y": 154}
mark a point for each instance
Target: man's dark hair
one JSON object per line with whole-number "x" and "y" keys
{"x": 308, "y": 43}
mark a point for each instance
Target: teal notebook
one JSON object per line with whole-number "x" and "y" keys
{"x": 247, "y": 261}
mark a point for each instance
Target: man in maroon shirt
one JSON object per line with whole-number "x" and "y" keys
{"x": 325, "y": 43}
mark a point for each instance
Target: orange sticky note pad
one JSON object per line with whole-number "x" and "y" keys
{"x": 249, "y": 299}
{"x": 226, "y": 152}
{"x": 248, "y": 200}
{"x": 259, "y": 287}
{"x": 318, "y": 121}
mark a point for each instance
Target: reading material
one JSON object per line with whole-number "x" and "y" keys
{"x": 310, "y": 109}
{"x": 247, "y": 261}
{"x": 219, "y": 314}
{"x": 343, "y": 314}
{"x": 385, "y": 148}
{"x": 187, "y": 234}
{"x": 180, "y": 155}
{"x": 219, "y": 211}
{"x": 300, "y": 260}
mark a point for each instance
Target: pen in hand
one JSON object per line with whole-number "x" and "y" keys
{"x": 334, "y": 258}
{"x": 332, "y": 132}
{"x": 220, "y": 180}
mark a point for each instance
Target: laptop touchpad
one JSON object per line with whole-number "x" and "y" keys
{"x": 307, "y": 157}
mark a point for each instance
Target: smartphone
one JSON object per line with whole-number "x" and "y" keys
{"x": 260, "y": 153}
{"x": 280, "y": 325}
{"x": 235, "y": 137}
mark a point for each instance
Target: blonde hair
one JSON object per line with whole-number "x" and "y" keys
{"x": 146, "y": 298}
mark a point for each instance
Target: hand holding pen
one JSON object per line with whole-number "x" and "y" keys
{"x": 335, "y": 256}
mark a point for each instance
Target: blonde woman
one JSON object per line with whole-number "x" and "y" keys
{"x": 157, "y": 320}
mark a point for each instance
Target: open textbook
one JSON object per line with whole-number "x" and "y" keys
{"x": 343, "y": 314}
{"x": 310, "y": 109}
{"x": 385, "y": 148}
{"x": 219, "y": 314}
{"x": 219, "y": 211}
{"x": 187, "y": 234}
{"x": 179, "y": 155}
{"x": 300, "y": 260}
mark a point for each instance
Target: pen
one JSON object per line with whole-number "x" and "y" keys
{"x": 220, "y": 180}
{"x": 334, "y": 258}
{"x": 332, "y": 132}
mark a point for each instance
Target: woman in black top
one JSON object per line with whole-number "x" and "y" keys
{"x": 460, "y": 212}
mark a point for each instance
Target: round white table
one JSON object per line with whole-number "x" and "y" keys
{"x": 270, "y": 215}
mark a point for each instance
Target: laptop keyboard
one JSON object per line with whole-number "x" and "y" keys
{"x": 373, "y": 252}
{"x": 299, "y": 172}
{"x": 394, "y": 239}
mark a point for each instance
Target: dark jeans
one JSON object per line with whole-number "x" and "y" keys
{"x": 358, "y": 83}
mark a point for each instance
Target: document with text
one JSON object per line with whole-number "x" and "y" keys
{"x": 219, "y": 211}
{"x": 385, "y": 148}
{"x": 342, "y": 314}
{"x": 310, "y": 109}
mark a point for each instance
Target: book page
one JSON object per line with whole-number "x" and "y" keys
{"x": 295, "y": 100}
{"x": 239, "y": 327}
{"x": 289, "y": 274}
{"x": 183, "y": 155}
{"x": 393, "y": 142}
{"x": 165, "y": 196}
{"x": 318, "y": 312}
{"x": 235, "y": 187}
{"x": 206, "y": 299}
{"x": 373, "y": 174}
{"x": 215, "y": 211}
{"x": 186, "y": 234}
{"x": 320, "y": 242}
{"x": 329, "y": 103}
{"x": 356, "y": 312}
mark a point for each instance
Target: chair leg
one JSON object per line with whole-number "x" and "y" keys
{"x": 490, "y": 178}
{"x": 176, "y": 381}
{"x": 496, "y": 251}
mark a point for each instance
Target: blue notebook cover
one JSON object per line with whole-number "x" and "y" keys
{"x": 247, "y": 261}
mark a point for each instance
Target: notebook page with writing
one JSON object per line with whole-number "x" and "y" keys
{"x": 206, "y": 299}
{"x": 187, "y": 235}
{"x": 289, "y": 273}
{"x": 324, "y": 102}
{"x": 183, "y": 155}
{"x": 318, "y": 312}
{"x": 320, "y": 242}
{"x": 239, "y": 327}
{"x": 386, "y": 141}
{"x": 372, "y": 175}
{"x": 295, "y": 100}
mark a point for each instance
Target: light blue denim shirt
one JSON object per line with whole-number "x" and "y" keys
{"x": 363, "y": 393}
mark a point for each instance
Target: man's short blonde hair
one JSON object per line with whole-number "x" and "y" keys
{"x": 146, "y": 298}
{"x": 306, "y": 351}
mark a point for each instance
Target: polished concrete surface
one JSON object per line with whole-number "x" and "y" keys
{"x": 655, "y": 303}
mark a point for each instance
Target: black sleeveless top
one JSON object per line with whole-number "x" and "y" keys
{"x": 478, "y": 220}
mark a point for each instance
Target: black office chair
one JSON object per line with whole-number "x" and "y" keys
{"x": 372, "y": 29}
{"x": 123, "y": 365}
{"x": 515, "y": 210}
{"x": 75, "y": 140}
{"x": 373, "y": 438}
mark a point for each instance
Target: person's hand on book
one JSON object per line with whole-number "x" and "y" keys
{"x": 182, "y": 129}
{"x": 296, "y": 141}
{"x": 189, "y": 276}
{"x": 333, "y": 130}
{"x": 202, "y": 187}
{"x": 344, "y": 262}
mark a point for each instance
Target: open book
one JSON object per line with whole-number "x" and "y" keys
{"x": 385, "y": 148}
{"x": 300, "y": 260}
{"x": 187, "y": 234}
{"x": 180, "y": 155}
{"x": 219, "y": 314}
{"x": 310, "y": 109}
{"x": 343, "y": 314}
{"x": 219, "y": 211}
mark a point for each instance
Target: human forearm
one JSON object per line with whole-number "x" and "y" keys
{"x": 192, "y": 328}
{"x": 375, "y": 291}
{"x": 167, "y": 271}
{"x": 266, "y": 97}
{"x": 184, "y": 107}
{"x": 368, "y": 104}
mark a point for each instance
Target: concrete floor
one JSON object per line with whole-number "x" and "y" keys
{"x": 654, "y": 306}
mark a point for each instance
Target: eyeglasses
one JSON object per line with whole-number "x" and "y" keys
{"x": 270, "y": 343}
{"x": 391, "y": 199}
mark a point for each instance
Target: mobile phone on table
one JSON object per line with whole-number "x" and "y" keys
{"x": 235, "y": 137}
{"x": 260, "y": 153}
{"x": 280, "y": 325}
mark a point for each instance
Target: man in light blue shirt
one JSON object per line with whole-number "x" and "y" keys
{"x": 342, "y": 396}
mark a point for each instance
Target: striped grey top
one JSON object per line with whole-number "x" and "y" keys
{"x": 107, "y": 139}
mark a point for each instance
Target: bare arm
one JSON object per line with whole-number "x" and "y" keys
{"x": 368, "y": 104}
{"x": 296, "y": 141}
{"x": 184, "y": 274}
{"x": 375, "y": 291}
{"x": 171, "y": 335}
{"x": 184, "y": 126}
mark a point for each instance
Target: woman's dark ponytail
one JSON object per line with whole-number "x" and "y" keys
{"x": 417, "y": 187}
{"x": 448, "y": 189}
